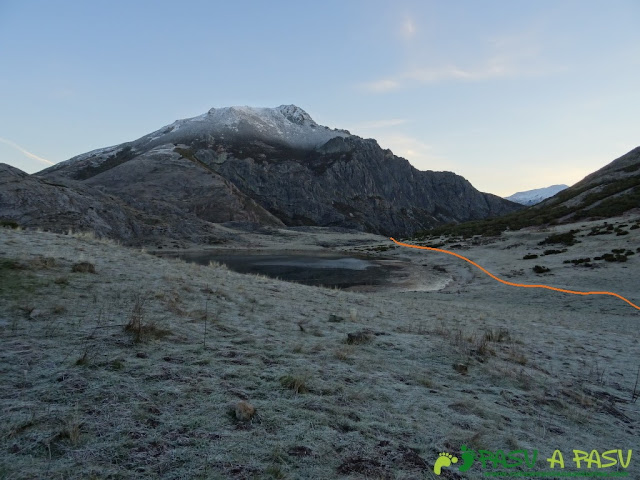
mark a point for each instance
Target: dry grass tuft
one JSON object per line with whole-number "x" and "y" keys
{"x": 218, "y": 265}
{"x": 462, "y": 368}
{"x": 425, "y": 380}
{"x": 43, "y": 263}
{"x": 344, "y": 353}
{"x": 59, "y": 309}
{"x": 358, "y": 338}
{"x": 140, "y": 329}
{"x": 517, "y": 357}
{"x": 497, "y": 335}
{"x": 297, "y": 383}
{"x": 83, "y": 267}
{"x": 244, "y": 411}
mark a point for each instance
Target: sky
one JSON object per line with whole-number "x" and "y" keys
{"x": 512, "y": 95}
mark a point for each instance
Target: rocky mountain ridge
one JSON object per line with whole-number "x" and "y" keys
{"x": 128, "y": 213}
{"x": 272, "y": 166}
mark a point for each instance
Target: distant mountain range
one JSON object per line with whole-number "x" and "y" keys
{"x": 267, "y": 166}
{"x": 532, "y": 197}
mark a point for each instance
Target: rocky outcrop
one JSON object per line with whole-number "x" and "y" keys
{"x": 171, "y": 199}
{"x": 170, "y": 181}
{"x": 61, "y": 205}
{"x": 350, "y": 182}
{"x": 277, "y": 166}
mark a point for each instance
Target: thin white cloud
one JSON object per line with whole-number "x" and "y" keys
{"x": 26, "y": 152}
{"x": 517, "y": 55}
{"x": 494, "y": 68}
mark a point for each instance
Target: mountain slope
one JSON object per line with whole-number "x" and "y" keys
{"x": 287, "y": 125}
{"x": 59, "y": 206}
{"x": 300, "y": 172}
{"x": 610, "y": 191}
{"x": 148, "y": 202}
{"x": 167, "y": 181}
{"x": 537, "y": 195}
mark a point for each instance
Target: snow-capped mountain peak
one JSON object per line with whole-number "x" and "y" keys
{"x": 286, "y": 125}
{"x": 531, "y": 197}
{"x": 231, "y": 115}
{"x": 295, "y": 114}
{"x": 267, "y": 116}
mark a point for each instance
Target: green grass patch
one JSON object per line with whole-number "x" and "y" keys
{"x": 16, "y": 281}
{"x": 9, "y": 224}
{"x": 541, "y": 269}
{"x": 567, "y": 238}
{"x": 614, "y": 206}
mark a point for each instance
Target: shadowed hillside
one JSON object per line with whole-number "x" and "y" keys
{"x": 608, "y": 192}
{"x": 286, "y": 168}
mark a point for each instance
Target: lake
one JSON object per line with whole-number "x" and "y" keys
{"x": 318, "y": 270}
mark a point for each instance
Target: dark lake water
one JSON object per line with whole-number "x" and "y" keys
{"x": 328, "y": 271}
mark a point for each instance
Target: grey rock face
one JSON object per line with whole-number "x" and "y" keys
{"x": 276, "y": 166}
{"x": 169, "y": 180}
{"x": 136, "y": 202}
{"x": 350, "y": 182}
{"x": 61, "y": 205}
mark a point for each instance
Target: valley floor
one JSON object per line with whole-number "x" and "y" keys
{"x": 134, "y": 371}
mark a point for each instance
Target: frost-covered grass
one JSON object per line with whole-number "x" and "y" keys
{"x": 133, "y": 371}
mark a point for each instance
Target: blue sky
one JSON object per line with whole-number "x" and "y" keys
{"x": 512, "y": 95}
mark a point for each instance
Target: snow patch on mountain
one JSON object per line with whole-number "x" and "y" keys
{"x": 287, "y": 125}
{"x": 93, "y": 158}
{"x": 531, "y": 197}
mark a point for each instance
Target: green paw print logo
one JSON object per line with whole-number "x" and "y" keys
{"x": 446, "y": 459}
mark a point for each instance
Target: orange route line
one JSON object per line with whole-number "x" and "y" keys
{"x": 512, "y": 284}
